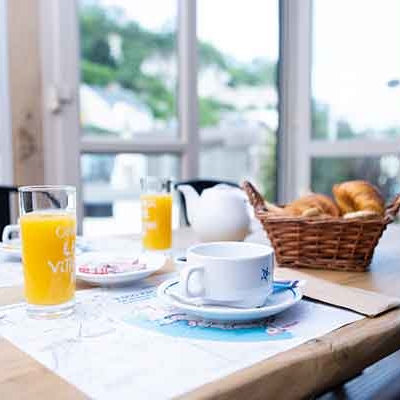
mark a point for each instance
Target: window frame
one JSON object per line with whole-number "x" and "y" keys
{"x": 61, "y": 87}
{"x": 6, "y": 153}
{"x": 60, "y": 79}
{"x": 294, "y": 87}
{"x": 297, "y": 146}
{"x": 62, "y": 131}
{"x": 64, "y": 142}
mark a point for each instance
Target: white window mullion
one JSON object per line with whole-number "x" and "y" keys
{"x": 354, "y": 148}
{"x": 295, "y": 95}
{"x": 59, "y": 44}
{"x": 187, "y": 87}
{"x": 107, "y": 145}
{"x": 60, "y": 76}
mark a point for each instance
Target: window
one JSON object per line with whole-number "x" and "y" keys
{"x": 127, "y": 96}
{"x": 158, "y": 95}
{"x": 238, "y": 94}
{"x": 214, "y": 111}
{"x": 356, "y": 94}
{"x": 131, "y": 123}
{"x": 382, "y": 171}
{"x": 111, "y": 189}
{"x": 128, "y": 68}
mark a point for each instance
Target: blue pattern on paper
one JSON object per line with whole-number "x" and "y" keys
{"x": 172, "y": 323}
{"x": 209, "y": 332}
{"x": 149, "y": 313}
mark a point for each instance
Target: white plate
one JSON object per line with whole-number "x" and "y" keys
{"x": 275, "y": 304}
{"x": 153, "y": 261}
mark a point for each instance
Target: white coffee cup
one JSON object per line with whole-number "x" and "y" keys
{"x": 231, "y": 273}
{"x": 8, "y": 232}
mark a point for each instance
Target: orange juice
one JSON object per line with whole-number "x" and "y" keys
{"x": 48, "y": 255}
{"x": 157, "y": 221}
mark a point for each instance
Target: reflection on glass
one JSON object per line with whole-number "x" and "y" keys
{"x": 111, "y": 190}
{"x": 356, "y": 68}
{"x": 128, "y": 67}
{"x": 383, "y": 172}
{"x": 238, "y": 53}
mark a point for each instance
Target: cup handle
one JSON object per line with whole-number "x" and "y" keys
{"x": 185, "y": 275}
{"x": 7, "y": 231}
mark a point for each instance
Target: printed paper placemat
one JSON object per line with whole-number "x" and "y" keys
{"x": 123, "y": 343}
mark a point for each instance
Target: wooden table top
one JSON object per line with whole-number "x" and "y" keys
{"x": 301, "y": 372}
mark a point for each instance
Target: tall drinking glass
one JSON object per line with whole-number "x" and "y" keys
{"x": 48, "y": 234}
{"x": 156, "y": 200}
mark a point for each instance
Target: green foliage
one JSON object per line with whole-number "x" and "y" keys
{"x": 258, "y": 73}
{"x": 209, "y": 55}
{"x": 155, "y": 94}
{"x": 96, "y": 74}
{"x": 138, "y": 45}
{"x": 95, "y": 27}
{"x": 210, "y": 111}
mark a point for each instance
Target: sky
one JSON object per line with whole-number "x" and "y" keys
{"x": 355, "y": 53}
{"x": 220, "y": 22}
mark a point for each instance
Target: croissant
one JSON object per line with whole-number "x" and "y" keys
{"x": 312, "y": 205}
{"x": 354, "y": 197}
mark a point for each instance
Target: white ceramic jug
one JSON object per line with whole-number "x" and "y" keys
{"x": 220, "y": 213}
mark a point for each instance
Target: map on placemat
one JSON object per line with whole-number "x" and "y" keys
{"x": 153, "y": 316}
{"x": 123, "y": 343}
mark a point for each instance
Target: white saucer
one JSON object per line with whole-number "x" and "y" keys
{"x": 153, "y": 261}
{"x": 11, "y": 250}
{"x": 275, "y": 304}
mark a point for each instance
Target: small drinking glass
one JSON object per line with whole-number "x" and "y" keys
{"x": 156, "y": 201}
{"x": 48, "y": 234}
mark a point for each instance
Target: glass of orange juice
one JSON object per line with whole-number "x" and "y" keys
{"x": 48, "y": 234}
{"x": 156, "y": 201}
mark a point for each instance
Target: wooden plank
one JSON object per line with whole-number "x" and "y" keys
{"x": 25, "y": 91}
{"x": 312, "y": 367}
{"x": 26, "y": 379}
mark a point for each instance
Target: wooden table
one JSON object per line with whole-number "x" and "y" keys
{"x": 306, "y": 370}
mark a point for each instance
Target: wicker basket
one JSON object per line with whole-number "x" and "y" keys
{"x": 329, "y": 243}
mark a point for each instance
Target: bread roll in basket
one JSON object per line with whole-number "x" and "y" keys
{"x": 322, "y": 240}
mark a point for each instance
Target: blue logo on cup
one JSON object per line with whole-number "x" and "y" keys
{"x": 264, "y": 274}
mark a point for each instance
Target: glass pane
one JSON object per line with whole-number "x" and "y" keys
{"x": 383, "y": 172}
{"x": 356, "y": 69}
{"x": 128, "y": 67}
{"x": 238, "y": 53}
{"x": 111, "y": 190}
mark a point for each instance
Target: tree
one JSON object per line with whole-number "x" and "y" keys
{"x": 138, "y": 46}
